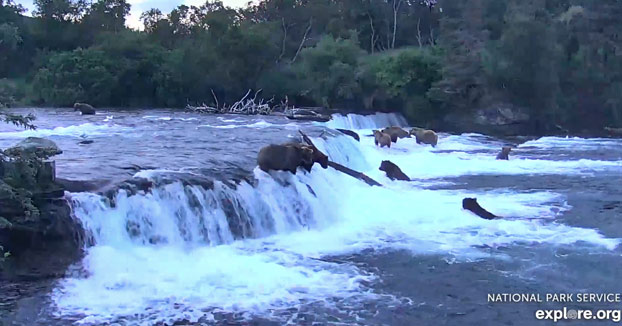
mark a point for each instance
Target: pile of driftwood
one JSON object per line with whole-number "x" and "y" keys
{"x": 244, "y": 106}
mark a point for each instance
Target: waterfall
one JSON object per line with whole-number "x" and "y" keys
{"x": 178, "y": 214}
{"x": 181, "y": 213}
{"x": 185, "y": 248}
{"x": 374, "y": 121}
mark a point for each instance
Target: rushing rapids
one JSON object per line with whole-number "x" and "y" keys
{"x": 195, "y": 245}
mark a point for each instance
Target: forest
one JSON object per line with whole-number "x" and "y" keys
{"x": 561, "y": 60}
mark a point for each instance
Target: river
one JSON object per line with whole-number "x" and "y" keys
{"x": 251, "y": 248}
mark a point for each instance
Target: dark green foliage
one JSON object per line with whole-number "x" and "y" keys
{"x": 559, "y": 59}
{"x": 328, "y": 71}
{"x": 403, "y": 77}
{"x": 18, "y": 183}
{"x": 8, "y": 97}
{"x": 82, "y": 75}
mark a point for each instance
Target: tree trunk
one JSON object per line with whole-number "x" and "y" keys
{"x": 373, "y": 34}
{"x": 396, "y": 9}
{"x": 304, "y": 39}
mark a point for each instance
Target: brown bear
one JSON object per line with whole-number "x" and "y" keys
{"x": 382, "y": 139}
{"x": 317, "y": 157}
{"x": 425, "y": 136}
{"x": 472, "y": 205}
{"x": 395, "y": 133}
{"x": 284, "y": 158}
{"x": 393, "y": 171}
{"x": 84, "y": 108}
{"x": 505, "y": 153}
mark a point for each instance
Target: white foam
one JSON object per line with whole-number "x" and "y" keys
{"x": 425, "y": 162}
{"x": 373, "y": 121}
{"x": 197, "y": 265}
{"x": 159, "y": 118}
{"x": 573, "y": 143}
{"x": 85, "y": 129}
{"x": 258, "y": 125}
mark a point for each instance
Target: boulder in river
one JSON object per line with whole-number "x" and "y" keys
{"x": 308, "y": 114}
{"x": 84, "y": 108}
{"x": 39, "y": 147}
{"x": 38, "y": 227}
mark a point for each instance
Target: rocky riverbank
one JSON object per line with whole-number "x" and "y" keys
{"x": 37, "y": 229}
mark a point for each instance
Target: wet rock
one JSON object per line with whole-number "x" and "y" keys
{"x": 82, "y": 185}
{"x": 84, "y": 108}
{"x": 42, "y": 245}
{"x": 39, "y": 147}
{"x": 308, "y": 114}
{"x": 131, "y": 187}
{"x": 497, "y": 119}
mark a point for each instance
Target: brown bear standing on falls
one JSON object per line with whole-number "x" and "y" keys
{"x": 393, "y": 171}
{"x": 317, "y": 157}
{"x": 472, "y": 205}
{"x": 395, "y": 133}
{"x": 382, "y": 139}
{"x": 425, "y": 136}
{"x": 505, "y": 153}
{"x": 284, "y": 158}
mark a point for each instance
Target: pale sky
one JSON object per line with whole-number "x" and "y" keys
{"x": 139, "y": 6}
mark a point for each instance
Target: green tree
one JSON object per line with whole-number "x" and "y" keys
{"x": 107, "y": 15}
{"x": 329, "y": 71}
{"x": 82, "y": 75}
{"x": 402, "y": 78}
{"x": 59, "y": 10}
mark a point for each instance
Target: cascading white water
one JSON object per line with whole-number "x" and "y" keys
{"x": 177, "y": 214}
{"x": 181, "y": 251}
{"x": 373, "y": 121}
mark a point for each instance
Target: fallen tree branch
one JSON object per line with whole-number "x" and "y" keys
{"x": 341, "y": 168}
{"x": 354, "y": 174}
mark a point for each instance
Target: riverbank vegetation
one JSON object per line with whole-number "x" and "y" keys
{"x": 560, "y": 60}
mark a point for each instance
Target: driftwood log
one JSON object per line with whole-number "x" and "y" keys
{"x": 341, "y": 168}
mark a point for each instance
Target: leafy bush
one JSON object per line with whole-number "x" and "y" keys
{"x": 403, "y": 77}
{"x": 82, "y": 75}
{"x": 328, "y": 71}
{"x": 7, "y": 93}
